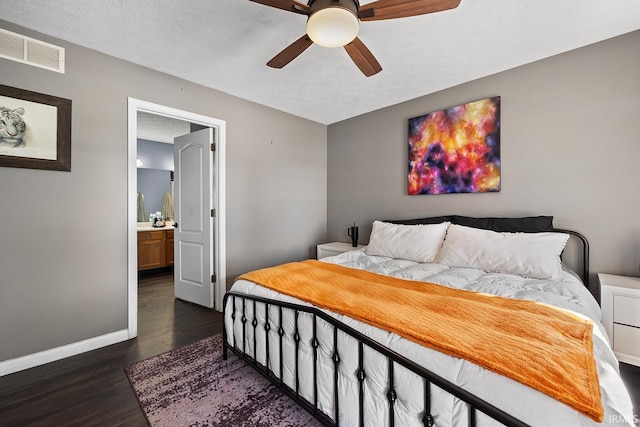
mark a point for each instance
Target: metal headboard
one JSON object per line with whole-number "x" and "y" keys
{"x": 585, "y": 252}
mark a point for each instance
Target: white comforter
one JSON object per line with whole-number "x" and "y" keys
{"x": 522, "y": 402}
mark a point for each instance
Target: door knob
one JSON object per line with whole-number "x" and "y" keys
{"x": 175, "y": 225}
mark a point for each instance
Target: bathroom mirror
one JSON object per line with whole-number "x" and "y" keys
{"x": 155, "y": 193}
{"x": 155, "y": 180}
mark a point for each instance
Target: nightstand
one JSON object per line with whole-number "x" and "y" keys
{"x": 335, "y": 248}
{"x": 620, "y": 298}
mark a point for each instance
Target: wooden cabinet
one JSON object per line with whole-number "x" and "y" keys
{"x": 153, "y": 249}
{"x": 169, "y": 247}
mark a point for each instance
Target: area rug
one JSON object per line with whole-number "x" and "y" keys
{"x": 193, "y": 386}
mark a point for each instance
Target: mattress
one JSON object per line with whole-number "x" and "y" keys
{"x": 528, "y": 405}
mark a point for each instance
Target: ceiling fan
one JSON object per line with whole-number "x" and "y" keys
{"x": 335, "y": 23}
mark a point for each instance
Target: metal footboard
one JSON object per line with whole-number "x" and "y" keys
{"x": 250, "y": 324}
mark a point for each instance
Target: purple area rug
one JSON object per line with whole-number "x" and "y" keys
{"x": 193, "y": 386}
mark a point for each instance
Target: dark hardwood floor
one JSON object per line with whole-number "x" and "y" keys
{"x": 631, "y": 377}
{"x": 92, "y": 389}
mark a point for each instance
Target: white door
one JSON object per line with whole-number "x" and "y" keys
{"x": 193, "y": 211}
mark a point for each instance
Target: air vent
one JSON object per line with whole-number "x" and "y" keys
{"x": 31, "y": 51}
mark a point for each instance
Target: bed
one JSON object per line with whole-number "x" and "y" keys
{"x": 348, "y": 370}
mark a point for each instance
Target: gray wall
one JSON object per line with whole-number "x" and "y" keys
{"x": 155, "y": 155}
{"x": 570, "y": 148}
{"x": 63, "y": 252}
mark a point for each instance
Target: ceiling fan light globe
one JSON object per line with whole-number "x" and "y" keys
{"x": 333, "y": 27}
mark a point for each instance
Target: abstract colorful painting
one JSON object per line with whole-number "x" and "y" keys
{"x": 456, "y": 150}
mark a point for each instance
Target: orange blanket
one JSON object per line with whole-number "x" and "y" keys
{"x": 540, "y": 346}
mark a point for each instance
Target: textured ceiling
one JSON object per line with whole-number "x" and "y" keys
{"x": 224, "y": 44}
{"x": 153, "y": 127}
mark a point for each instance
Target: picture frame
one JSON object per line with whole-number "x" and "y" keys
{"x": 456, "y": 149}
{"x": 35, "y": 130}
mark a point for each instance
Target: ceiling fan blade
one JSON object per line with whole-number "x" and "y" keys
{"x": 363, "y": 58}
{"x": 390, "y": 9}
{"x": 289, "y": 5}
{"x": 291, "y": 52}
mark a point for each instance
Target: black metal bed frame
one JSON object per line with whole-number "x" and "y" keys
{"x": 584, "y": 243}
{"x": 393, "y": 358}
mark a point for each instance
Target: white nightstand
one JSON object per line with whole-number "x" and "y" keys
{"x": 335, "y": 248}
{"x": 620, "y": 298}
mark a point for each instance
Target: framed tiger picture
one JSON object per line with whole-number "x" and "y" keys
{"x": 35, "y": 130}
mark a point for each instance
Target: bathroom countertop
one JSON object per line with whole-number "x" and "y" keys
{"x": 146, "y": 226}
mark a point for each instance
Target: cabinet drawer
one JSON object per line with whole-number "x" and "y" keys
{"x": 169, "y": 234}
{"x": 323, "y": 253}
{"x": 626, "y": 339}
{"x": 150, "y": 235}
{"x": 626, "y": 310}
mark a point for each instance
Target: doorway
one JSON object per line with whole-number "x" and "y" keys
{"x": 136, "y": 106}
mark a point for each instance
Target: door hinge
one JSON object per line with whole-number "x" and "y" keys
{"x": 214, "y": 278}
{"x": 213, "y": 146}
{"x": 213, "y": 213}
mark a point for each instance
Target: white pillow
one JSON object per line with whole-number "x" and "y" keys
{"x": 535, "y": 255}
{"x": 419, "y": 243}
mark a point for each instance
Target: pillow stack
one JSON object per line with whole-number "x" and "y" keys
{"x": 419, "y": 243}
{"x": 534, "y": 255}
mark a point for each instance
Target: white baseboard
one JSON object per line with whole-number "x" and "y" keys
{"x": 36, "y": 359}
{"x": 628, "y": 358}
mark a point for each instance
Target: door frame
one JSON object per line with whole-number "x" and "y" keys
{"x": 135, "y": 106}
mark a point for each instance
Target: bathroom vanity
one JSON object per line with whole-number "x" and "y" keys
{"x": 155, "y": 246}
